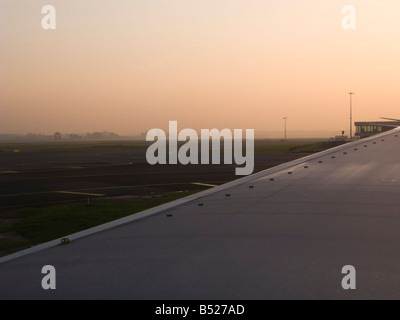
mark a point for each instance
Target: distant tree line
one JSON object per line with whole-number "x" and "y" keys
{"x": 88, "y": 136}
{"x": 105, "y": 135}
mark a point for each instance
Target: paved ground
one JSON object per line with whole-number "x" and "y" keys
{"x": 284, "y": 233}
{"x": 41, "y": 178}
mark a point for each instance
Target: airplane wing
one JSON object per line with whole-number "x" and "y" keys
{"x": 283, "y": 233}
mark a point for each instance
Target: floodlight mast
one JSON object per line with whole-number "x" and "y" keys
{"x": 351, "y": 115}
{"x": 285, "y": 126}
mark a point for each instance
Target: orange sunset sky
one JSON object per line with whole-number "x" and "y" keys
{"x": 132, "y": 65}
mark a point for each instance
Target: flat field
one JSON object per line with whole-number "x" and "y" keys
{"x": 52, "y": 189}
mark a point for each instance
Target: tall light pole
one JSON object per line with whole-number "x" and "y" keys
{"x": 351, "y": 115}
{"x": 285, "y": 126}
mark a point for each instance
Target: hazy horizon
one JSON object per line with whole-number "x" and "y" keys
{"x": 299, "y": 134}
{"x": 131, "y": 66}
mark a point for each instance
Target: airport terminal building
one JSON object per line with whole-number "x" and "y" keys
{"x": 366, "y": 129}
